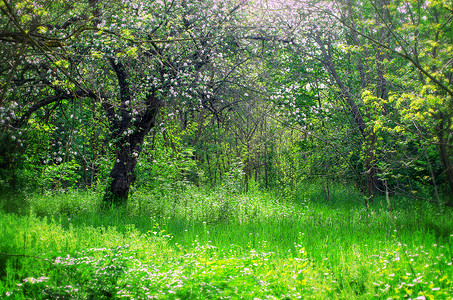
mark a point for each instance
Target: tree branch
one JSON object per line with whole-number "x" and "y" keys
{"x": 47, "y": 101}
{"x": 403, "y": 55}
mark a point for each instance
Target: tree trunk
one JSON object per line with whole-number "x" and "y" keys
{"x": 448, "y": 170}
{"x": 128, "y": 151}
{"x": 129, "y": 129}
{"x": 121, "y": 176}
{"x": 367, "y": 133}
{"x": 372, "y": 180}
{"x": 445, "y": 159}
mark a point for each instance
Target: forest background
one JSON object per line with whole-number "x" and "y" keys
{"x": 103, "y": 95}
{"x": 138, "y": 104}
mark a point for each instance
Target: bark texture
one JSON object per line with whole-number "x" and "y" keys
{"x": 129, "y": 131}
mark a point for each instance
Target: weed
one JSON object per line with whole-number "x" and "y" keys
{"x": 210, "y": 244}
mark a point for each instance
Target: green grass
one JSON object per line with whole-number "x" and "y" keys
{"x": 211, "y": 244}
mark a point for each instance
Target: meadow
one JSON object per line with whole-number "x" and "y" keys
{"x": 197, "y": 243}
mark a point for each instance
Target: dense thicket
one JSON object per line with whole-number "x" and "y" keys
{"x": 159, "y": 94}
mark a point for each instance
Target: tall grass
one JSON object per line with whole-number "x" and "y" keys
{"x": 199, "y": 243}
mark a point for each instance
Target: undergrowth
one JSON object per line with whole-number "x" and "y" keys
{"x": 213, "y": 244}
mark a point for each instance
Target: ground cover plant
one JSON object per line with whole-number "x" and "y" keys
{"x": 213, "y": 244}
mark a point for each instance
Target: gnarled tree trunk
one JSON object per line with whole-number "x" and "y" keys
{"x": 129, "y": 130}
{"x": 128, "y": 150}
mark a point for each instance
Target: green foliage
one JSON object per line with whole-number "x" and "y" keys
{"x": 166, "y": 162}
{"x": 207, "y": 244}
{"x": 61, "y": 176}
{"x": 234, "y": 178}
{"x": 224, "y": 99}
{"x": 64, "y": 203}
{"x": 235, "y": 114}
{"x": 21, "y": 156}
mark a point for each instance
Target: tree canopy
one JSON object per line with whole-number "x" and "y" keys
{"x": 112, "y": 94}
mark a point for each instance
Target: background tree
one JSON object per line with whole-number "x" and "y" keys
{"x": 271, "y": 93}
{"x": 420, "y": 98}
